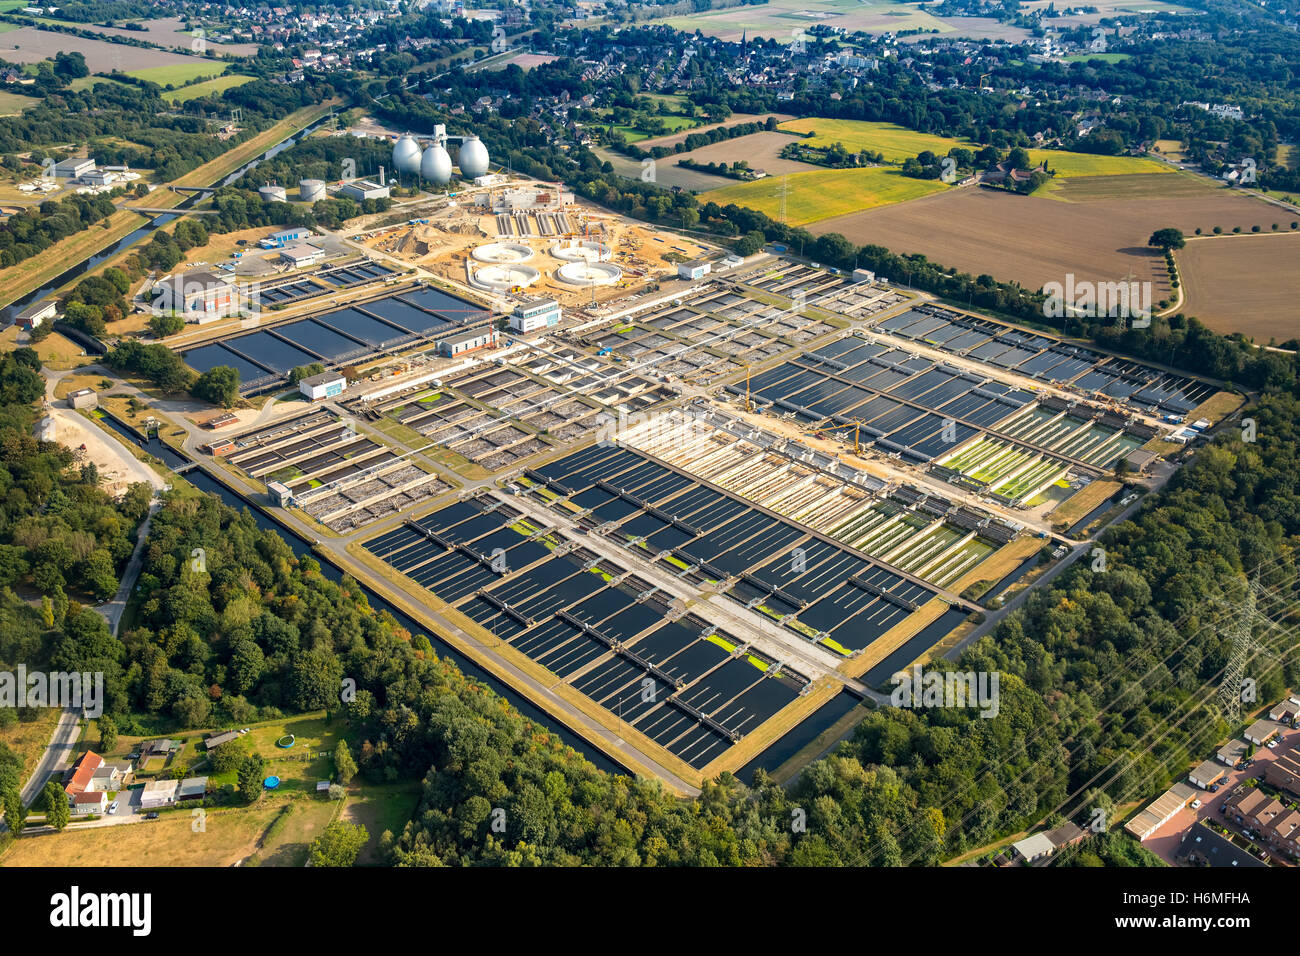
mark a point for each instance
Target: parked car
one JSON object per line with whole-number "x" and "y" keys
{"x": 1272, "y": 745}
{"x": 1196, "y": 804}
{"x": 151, "y": 815}
{"x": 1214, "y": 788}
{"x": 112, "y": 807}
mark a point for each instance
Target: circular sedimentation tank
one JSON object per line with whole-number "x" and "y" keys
{"x": 582, "y": 250}
{"x": 472, "y": 158}
{"x": 502, "y": 252}
{"x": 406, "y": 154}
{"x": 587, "y": 274}
{"x": 502, "y": 278}
{"x": 435, "y": 165}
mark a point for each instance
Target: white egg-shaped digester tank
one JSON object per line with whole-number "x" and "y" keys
{"x": 435, "y": 165}
{"x": 472, "y": 158}
{"x": 406, "y": 154}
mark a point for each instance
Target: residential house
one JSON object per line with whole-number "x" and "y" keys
{"x": 89, "y": 802}
{"x": 1067, "y": 834}
{"x": 107, "y": 779}
{"x": 1283, "y": 772}
{"x": 82, "y": 773}
{"x": 1201, "y": 845}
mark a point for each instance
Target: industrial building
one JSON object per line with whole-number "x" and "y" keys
{"x": 301, "y": 254}
{"x": 695, "y": 269}
{"x": 73, "y": 168}
{"x": 322, "y": 386}
{"x": 83, "y": 398}
{"x": 535, "y": 313}
{"x": 278, "y": 240}
{"x": 463, "y": 342}
{"x": 360, "y": 189}
{"x": 199, "y": 296}
{"x": 32, "y": 316}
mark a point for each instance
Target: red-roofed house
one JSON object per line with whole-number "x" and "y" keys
{"x": 83, "y": 771}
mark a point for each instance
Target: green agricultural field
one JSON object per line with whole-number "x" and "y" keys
{"x": 177, "y": 74}
{"x": 1087, "y": 164}
{"x": 672, "y": 124}
{"x": 824, "y": 193}
{"x": 897, "y": 143}
{"x": 894, "y": 142}
{"x": 207, "y": 88}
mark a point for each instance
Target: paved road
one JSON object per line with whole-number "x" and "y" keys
{"x": 57, "y": 754}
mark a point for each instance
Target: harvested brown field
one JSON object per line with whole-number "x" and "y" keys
{"x": 760, "y": 150}
{"x": 1035, "y": 241}
{"x": 667, "y": 173}
{"x": 170, "y": 32}
{"x": 30, "y": 45}
{"x": 1245, "y": 284}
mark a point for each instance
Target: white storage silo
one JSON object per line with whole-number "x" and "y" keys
{"x": 273, "y": 193}
{"x": 309, "y": 190}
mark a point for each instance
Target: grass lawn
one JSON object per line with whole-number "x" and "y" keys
{"x": 11, "y": 104}
{"x": 298, "y": 821}
{"x": 55, "y": 351}
{"x": 822, "y": 194}
{"x": 378, "y": 808}
{"x": 207, "y": 88}
{"x": 178, "y": 73}
{"x": 300, "y": 766}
